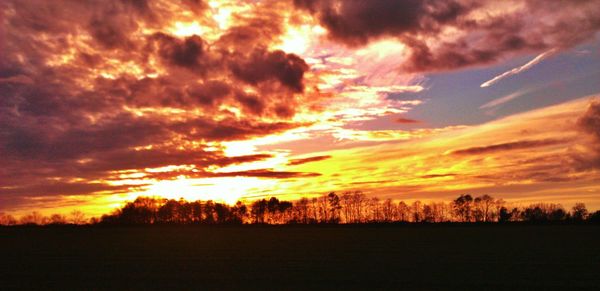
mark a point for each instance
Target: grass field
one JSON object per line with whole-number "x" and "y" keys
{"x": 302, "y": 257}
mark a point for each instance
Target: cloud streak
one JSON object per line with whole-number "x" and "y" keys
{"x": 295, "y": 162}
{"x": 520, "y": 69}
{"x": 509, "y": 146}
{"x": 504, "y": 99}
{"x": 403, "y": 120}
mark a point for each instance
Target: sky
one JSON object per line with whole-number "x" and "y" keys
{"x": 104, "y": 101}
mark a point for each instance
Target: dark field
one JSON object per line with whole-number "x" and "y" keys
{"x": 302, "y": 257}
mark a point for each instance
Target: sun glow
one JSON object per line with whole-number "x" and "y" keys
{"x": 299, "y": 40}
{"x": 183, "y": 29}
{"x": 221, "y": 189}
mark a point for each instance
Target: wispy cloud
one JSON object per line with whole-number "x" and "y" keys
{"x": 403, "y": 120}
{"x": 505, "y": 99}
{"x": 520, "y": 69}
{"x": 295, "y": 162}
{"x": 516, "y": 145}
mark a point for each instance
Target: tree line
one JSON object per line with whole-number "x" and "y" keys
{"x": 349, "y": 208}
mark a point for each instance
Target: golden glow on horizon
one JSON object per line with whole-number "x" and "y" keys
{"x": 222, "y": 189}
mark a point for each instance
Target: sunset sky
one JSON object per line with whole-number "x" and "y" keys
{"x": 104, "y": 101}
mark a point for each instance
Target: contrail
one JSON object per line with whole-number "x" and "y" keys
{"x": 520, "y": 69}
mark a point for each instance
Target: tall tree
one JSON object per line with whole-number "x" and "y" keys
{"x": 334, "y": 207}
{"x": 462, "y": 207}
{"x": 579, "y": 212}
{"x": 403, "y": 211}
{"x": 417, "y": 211}
{"x": 77, "y": 217}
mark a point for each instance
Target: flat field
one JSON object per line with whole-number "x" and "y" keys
{"x": 301, "y": 257}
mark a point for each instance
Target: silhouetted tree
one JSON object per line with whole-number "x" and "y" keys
{"x": 504, "y": 215}
{"x": 185, "y": 212}
{"x": 77, "y": 217}
{"x": 258, "y": 210}
{"x": 7, "y": 219}
{"x": 196, "y": 211}
{"x": 417, "y": 211}
{"x": 579, "y": 212}
{"x": 534, "y": 213}
{"x": 58, "y": 219}
{"x": 314, "y": 210}
{"x": 483, "y": 208}
{"x": 302, "y": 209}
{"x": 375, "y": 214}
{"x": 209, "y": 212}
{"x": 239, "y": 213}
{"x": 273, "y": 212}
{"x": 558, "y": 214}
{"x": 346, "y": 206}
{"x": 285, "y": 209}
{"x": 35, "y": 218}
{"x": 359, "y": 201}
{"x": 428, "y": 213}
{"x": 222, "y": 213}
{"x": 594, "y": 217}
{"x": 541, "y": 212}
{"x": 462, "y": 207}
{"x": 333, "y": 202}
{"x": 389, "y": 210}
{"x": 403, "y": 211}
{"x": 167, "y": 213}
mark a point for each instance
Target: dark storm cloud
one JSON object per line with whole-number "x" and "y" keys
{"x": 295, "y": 162}
{"x": 537, "y": 26}
{"x": 251, "y": 103}
{"x": 358, "y": 22}
{"x": 288, "y": 69}
{"x": 509, "y": 146}
{"x": 229, "y": 129}
{"x": 210, "y": 93}
{"x": 187, "y": 53}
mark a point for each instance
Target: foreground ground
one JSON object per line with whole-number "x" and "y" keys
{"x": 302, "y": 257}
